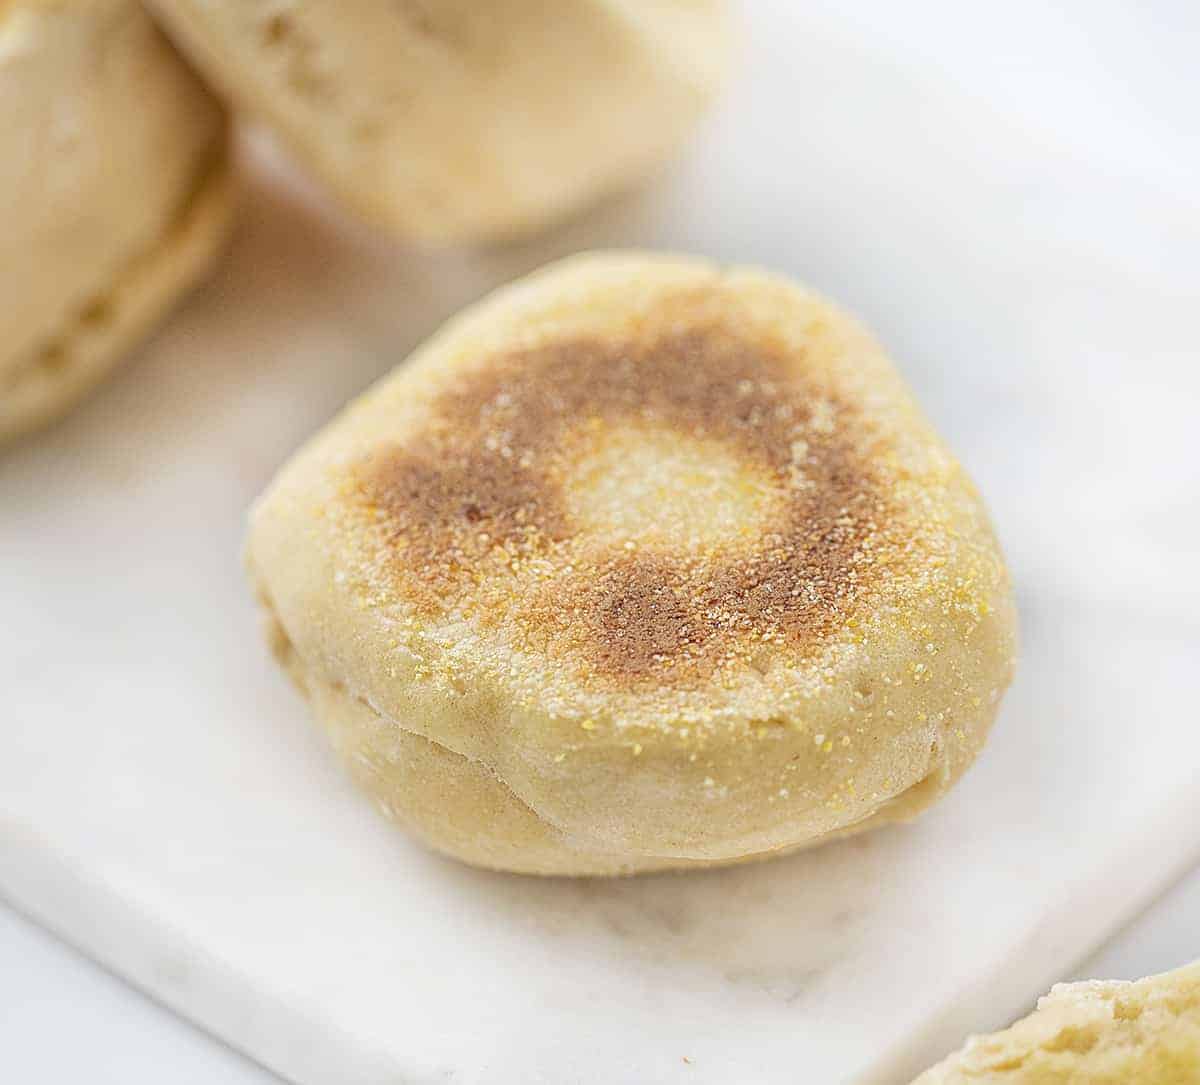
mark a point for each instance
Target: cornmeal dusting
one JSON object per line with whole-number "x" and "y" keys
{"x": 642, "y": 564}
{"x": 475, "y": 515}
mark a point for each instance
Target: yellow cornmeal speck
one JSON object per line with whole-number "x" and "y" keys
{"x": 857, "y": 513}
{"x": 961, "y": 735}
{"x": 922, "y": 717}
{"x": 976, "y": 702}
{"x": 709, "y": 781}
{"x": 783, "y": 792}
{"x": 588, "y": 725}
{"x": 581, "y": 747}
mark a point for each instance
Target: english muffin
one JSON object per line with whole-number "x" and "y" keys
{"x": 447, "y": 120}
{"x": 114, "y": 179}
{"x": 1143, "y": 1033}
{"x": 638, "y": 564}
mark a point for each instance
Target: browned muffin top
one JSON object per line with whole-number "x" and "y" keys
{"x": 480, "y": 511}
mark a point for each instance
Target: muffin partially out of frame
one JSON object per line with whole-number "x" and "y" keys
{"x": 459, "y": 120}
{"x": 1142, "y": 1033}
{"x": 639, "y": 564}
{"x": 115, "y": 181}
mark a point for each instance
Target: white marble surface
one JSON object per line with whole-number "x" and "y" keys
{"x": 63, "y": 1019}
{"x": 1008, "y": 198}
{"x": 120, "y": 1037}
{"x": 1166, "y": 936}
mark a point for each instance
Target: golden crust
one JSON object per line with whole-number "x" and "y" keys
{"x": 501, "y": 549}
{"x": 1103, "y": 1033}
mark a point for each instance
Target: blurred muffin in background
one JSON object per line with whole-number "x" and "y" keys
{"x": 453, "y": 120}
{"x": 115, "y": 192}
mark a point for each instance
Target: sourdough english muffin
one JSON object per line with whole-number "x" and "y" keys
{"x": 114, "y": 182}
{"x": 456, "y": 120}
{"x": 639, "y": 564}
{"x": 1143, "y": 1033}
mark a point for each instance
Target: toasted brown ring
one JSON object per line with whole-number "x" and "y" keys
{"x": 658, "y": 562}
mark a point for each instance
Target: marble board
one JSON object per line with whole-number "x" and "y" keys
{"x": 1008, "y": 197}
